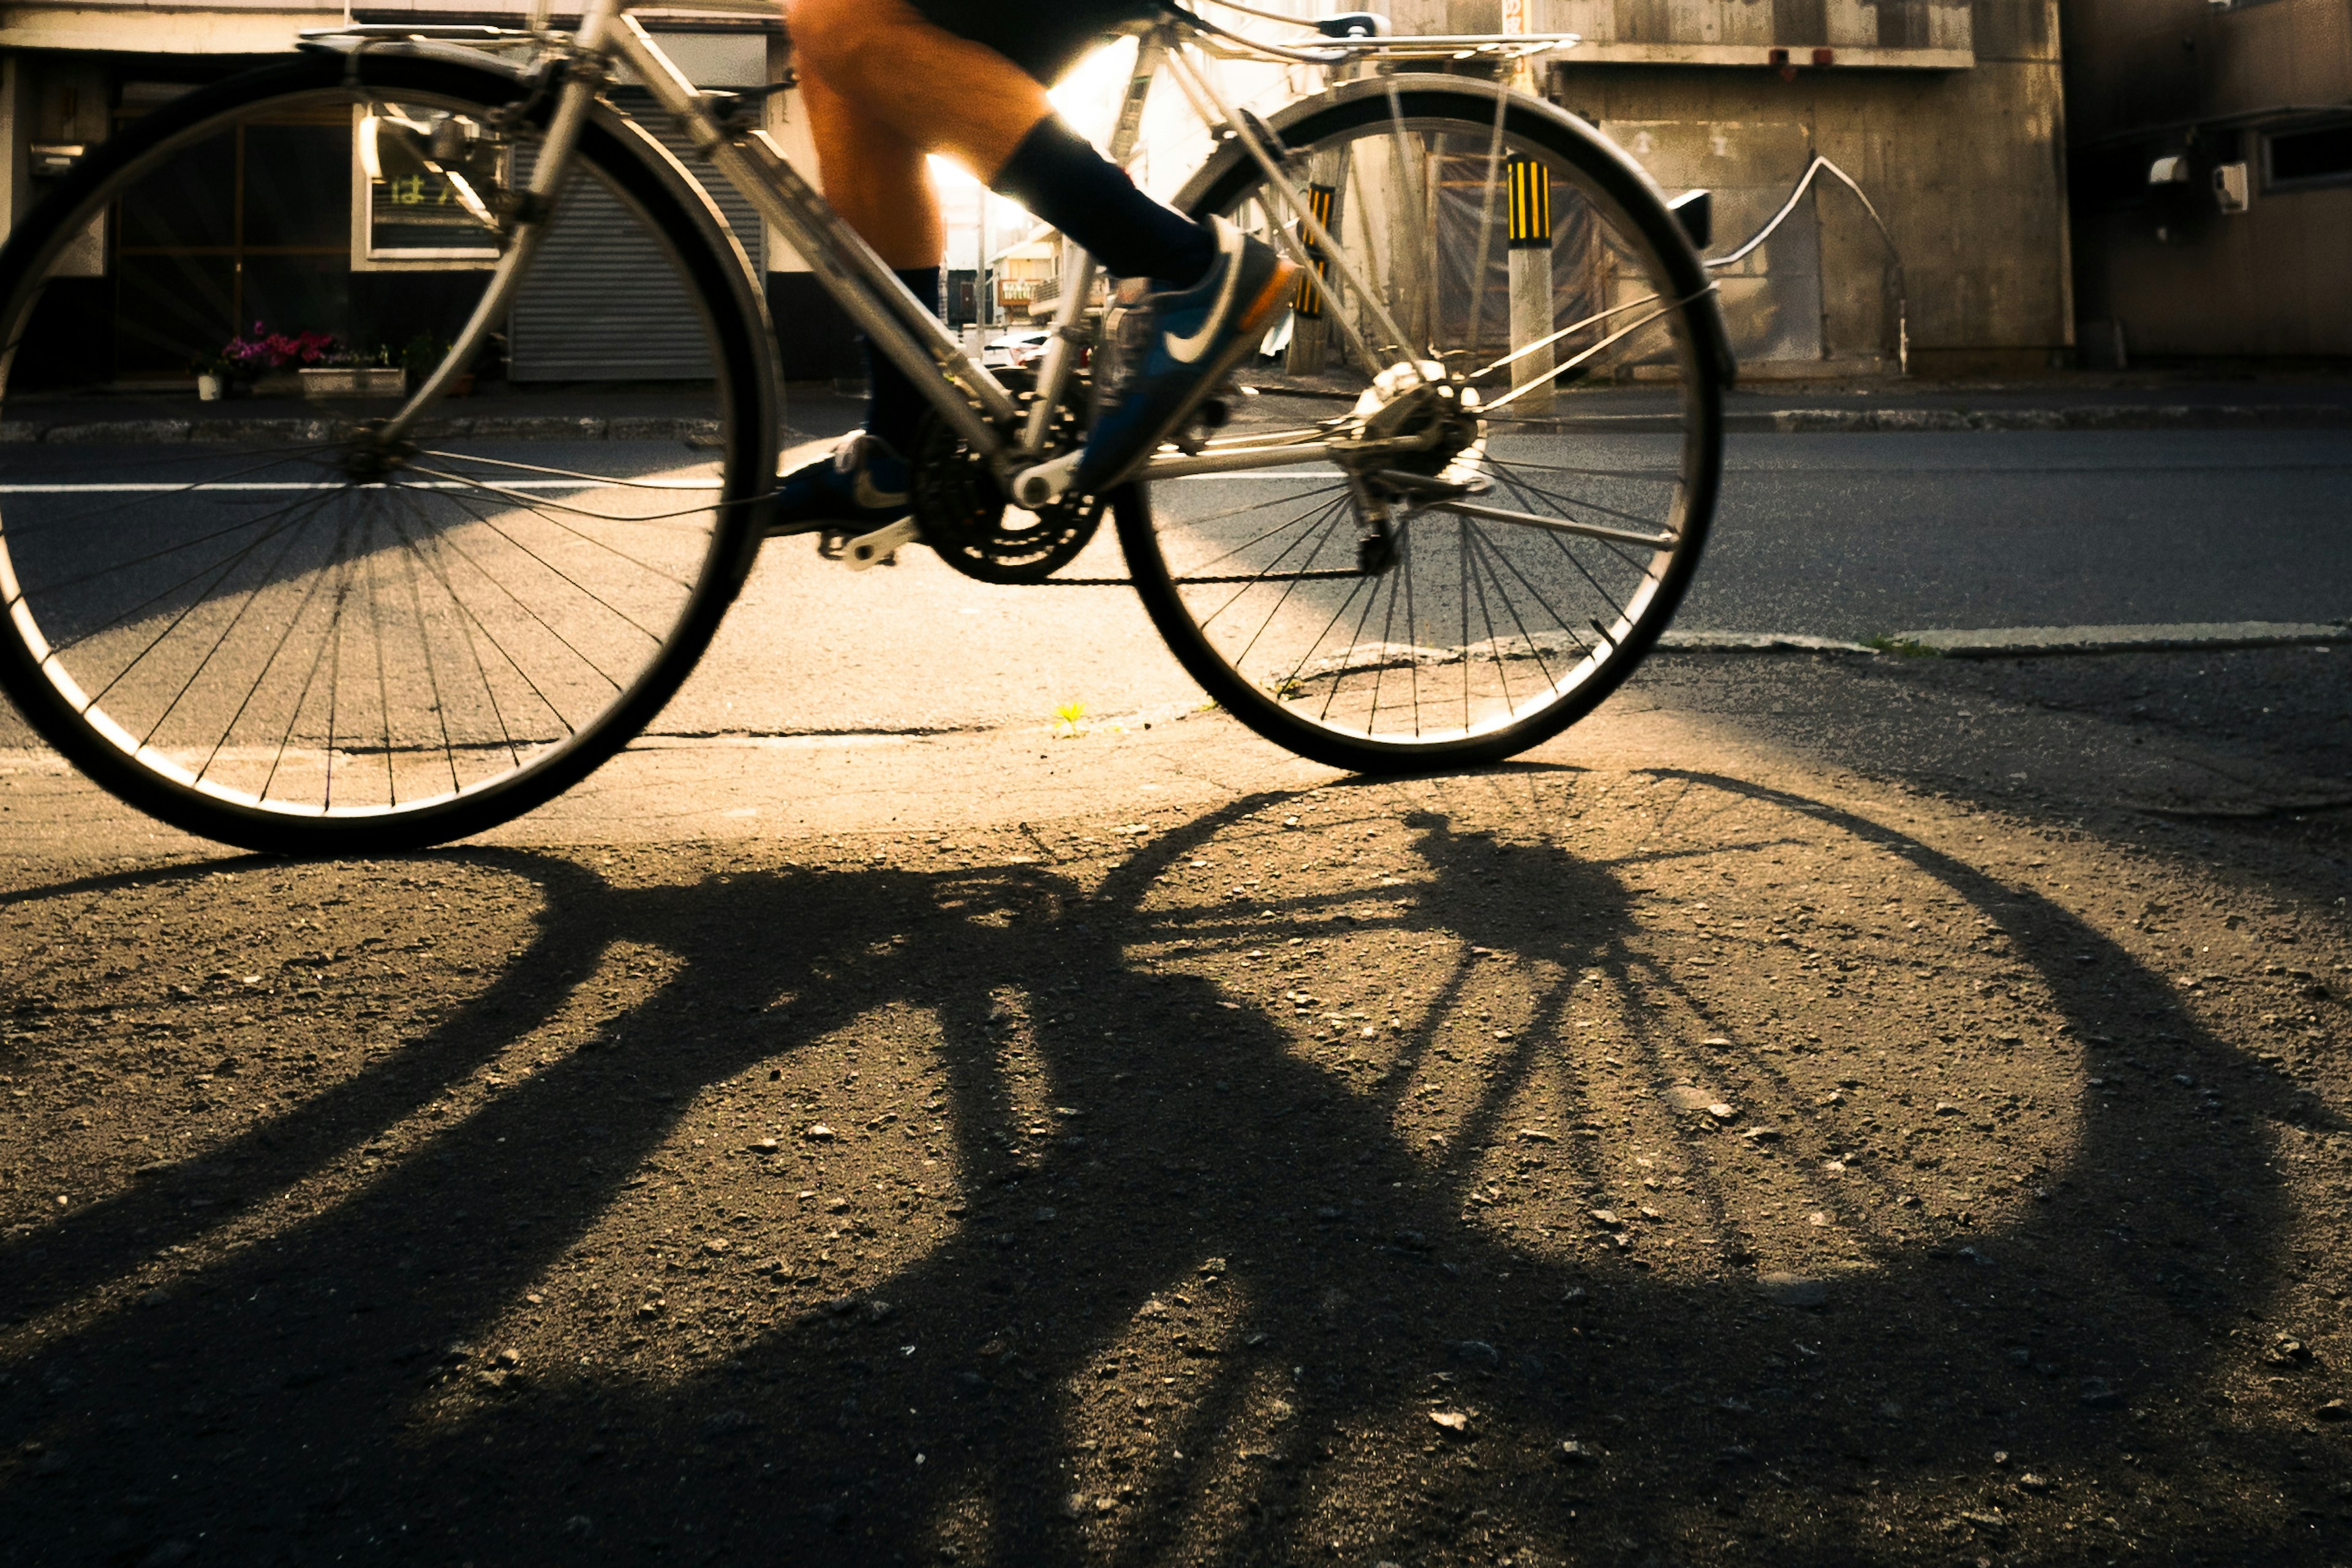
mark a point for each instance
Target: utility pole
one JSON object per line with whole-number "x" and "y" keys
{"x": 1530, "y": 221}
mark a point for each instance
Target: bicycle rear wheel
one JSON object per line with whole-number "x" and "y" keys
{"x": 228, "y": 617}
{"x": 1464, "y": 601}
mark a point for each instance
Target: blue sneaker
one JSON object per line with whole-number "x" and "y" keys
{"x": 1163, "y": 352}
{"x": 861, "y": 486}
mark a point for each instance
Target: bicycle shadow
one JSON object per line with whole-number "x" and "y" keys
{"x": 1297, "y": 1229}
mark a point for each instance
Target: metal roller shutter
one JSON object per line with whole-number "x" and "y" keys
{"x": 601, "y": 302}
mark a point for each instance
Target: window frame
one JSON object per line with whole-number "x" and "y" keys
{"x": 367, "y": 257}
{"x": 2272, "y": 182}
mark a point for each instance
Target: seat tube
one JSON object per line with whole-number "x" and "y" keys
{"x": 1061, "y": 352}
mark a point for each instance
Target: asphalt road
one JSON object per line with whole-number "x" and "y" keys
{"x": 1801, "y": 1116}
{"x": 1854, "y": 535}
{"x": 1844, "y": 536}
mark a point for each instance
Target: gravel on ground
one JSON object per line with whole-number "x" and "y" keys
{"x": 1905, "y": 1149}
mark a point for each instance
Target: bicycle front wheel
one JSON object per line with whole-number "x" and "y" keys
{"x": 1464, "y": 600}
{"x": 239, "y": 618}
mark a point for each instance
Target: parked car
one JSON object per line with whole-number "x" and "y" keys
{"x": 1013, "y": 350}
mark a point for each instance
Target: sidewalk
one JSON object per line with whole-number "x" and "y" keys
{"x": 555, "y": 413}
{"x": 2101, "y": 401}
{"x": 1701, "y": 1141}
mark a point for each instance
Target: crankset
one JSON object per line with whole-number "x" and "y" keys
{"x": 962, "y": 513}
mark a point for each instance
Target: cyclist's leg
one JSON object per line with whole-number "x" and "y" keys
{"x": 941, "y": 91}
{"x": 876, "y": 179}
{"x": 932, "y": 88}
{"x": 871, "y": 71}
{"x": 874, "y": 176}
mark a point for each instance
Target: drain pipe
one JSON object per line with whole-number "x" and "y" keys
{"x": 1893, "y": 258}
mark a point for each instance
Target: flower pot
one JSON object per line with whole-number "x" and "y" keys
{"x": 355, "y": 381}
{"x": 208, "y": 389}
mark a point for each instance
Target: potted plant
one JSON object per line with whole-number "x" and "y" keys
{"x": 272, "y": 363}
{"x": 422, "y": 355}
{"x": 343, "y": 374}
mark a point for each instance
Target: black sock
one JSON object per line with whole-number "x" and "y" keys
{"x": 893, "y": 407}
{"x": 1058, "y": 175}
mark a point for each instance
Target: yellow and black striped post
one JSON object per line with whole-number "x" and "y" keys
{"x": 1311, "y": 331}
{"x": 1322, "y": 201}
{"x": 1529, "y": 191}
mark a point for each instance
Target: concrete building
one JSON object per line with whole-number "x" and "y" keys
{"x": 2212, "y": 155}
{"x": 1947, "y": 112}
{"x": 293, "y": 240}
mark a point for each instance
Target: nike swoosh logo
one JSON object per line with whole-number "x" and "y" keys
{"x": 1184, "y": 350}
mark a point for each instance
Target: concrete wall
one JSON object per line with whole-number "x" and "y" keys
{"x": 1966, "y": 165}
{"x": 2179, "y": 277}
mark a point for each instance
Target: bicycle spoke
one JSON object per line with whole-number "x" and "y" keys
{"x": 234, "y": 622}
{"x": 1308, "y": 517}
{"x": 54, "y": 586}
{"x": 383, "y": 690}
{"x": 222, "y": 568}
{"x": 1529, "y": 489}
{"x": 1192, "y": 574}
{"x": 469, "y": 622}
{"x": 1338, "y": 517}
{"x": 261, "y": 679}
{"x": 491, "y": 523}
{"x": 302, "y": 699}
{"x": 466, "y": 556}
{"x": 1474, "y": 630}
{"x": 534, "y": 503}
{"x": 424, "y": 645}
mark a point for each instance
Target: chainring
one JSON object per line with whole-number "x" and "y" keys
{"x": 963, "y": 515}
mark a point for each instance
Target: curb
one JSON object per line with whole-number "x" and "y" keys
{"x": 2094, "y": 417}
{"x": 2030, "y": 642}
{"x": 515, "y": 427}
{"x": 1946, "y": 421}
{"x": 1757, "y": 642}
{"x": 1770, "y": 422}
{"x": 2027, "y": 642}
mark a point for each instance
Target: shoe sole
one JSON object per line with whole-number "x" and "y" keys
{"x": 1278, "y": 288}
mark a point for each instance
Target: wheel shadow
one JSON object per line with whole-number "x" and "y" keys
{"x": 1212, "y": 1324}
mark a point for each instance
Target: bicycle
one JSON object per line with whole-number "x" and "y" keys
{"x": 378, "y": 633}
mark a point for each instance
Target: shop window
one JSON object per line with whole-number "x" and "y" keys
{"x": 248, "y": 225}
{"x": 426, "y": 179}
{"x": 2319, "y": 157}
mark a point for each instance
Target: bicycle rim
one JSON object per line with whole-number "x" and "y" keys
{"x": 1528, "y": 558}
{"x": 221, "y": 619}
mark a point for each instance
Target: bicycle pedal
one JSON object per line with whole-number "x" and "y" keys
{"x": 864, "y": 552}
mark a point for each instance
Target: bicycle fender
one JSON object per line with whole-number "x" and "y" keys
{"x": 358, "y": 50}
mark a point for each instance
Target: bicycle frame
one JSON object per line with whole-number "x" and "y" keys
{"x": 973, "y": 402}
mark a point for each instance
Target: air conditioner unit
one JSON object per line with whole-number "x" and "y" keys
{"x": 2231, "y": 187}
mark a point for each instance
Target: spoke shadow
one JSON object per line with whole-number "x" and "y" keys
{"x": 1207, "y": 1318}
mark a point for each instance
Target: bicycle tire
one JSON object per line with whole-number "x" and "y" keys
{"x": 424, "y": 524}
{"x": 1620, "y": 202}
